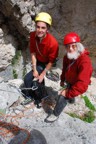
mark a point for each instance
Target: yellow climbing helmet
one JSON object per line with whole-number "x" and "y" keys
{"x": 45, "y": 17}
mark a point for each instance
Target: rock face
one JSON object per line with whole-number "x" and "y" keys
{"x": 19, "y": 124}
{"x": 78, "y": 16}
{"x": 7, "y": 49}
{"x": 16, "y": 23}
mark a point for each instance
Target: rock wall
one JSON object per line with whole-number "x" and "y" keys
{"x": 16, "y": 22}
{"x": 18, "y": 17}
{"x": 78, "y": 16}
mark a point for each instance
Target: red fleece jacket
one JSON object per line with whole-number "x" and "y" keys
{"x": 48, "y": 47}
{"x": 77, "y": 74}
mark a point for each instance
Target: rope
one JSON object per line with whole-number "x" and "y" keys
{"x": 9, "y": 123}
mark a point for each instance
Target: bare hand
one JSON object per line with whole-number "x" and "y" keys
{"x": 35, "y": 74}
{"x": 41, "y": 77}
{"x": 63, "y": 92}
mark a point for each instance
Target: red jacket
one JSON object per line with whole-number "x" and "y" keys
{"x": 48, "y": 47}
{"x": 78, "y": 74}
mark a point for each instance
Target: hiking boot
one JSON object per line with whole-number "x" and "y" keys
{"x": 38, "y": 103}
{"x": 27, "y": 101}
{"x": 71, "y": 101}
{"x": 51, "y": 118}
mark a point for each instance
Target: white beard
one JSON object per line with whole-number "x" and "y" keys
{"x": 73, "y": 55}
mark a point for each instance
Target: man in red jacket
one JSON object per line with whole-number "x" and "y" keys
{"x": 76, "y": 73}
{"x": 44, "y": 51}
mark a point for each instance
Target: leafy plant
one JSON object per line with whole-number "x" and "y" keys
{"x": 73, "y": 115}
{"x": 87, "y": 117}
{"x": 16, "y": 57}
{"x": 88, "y": 103}
{"x": 15, "y": 75}
{"x": 2, "y": 111}
{"x": 24, "y": 72}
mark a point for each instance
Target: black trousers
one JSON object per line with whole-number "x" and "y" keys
{"x": 28, "y": 79}
{"x": 60, "y": 105}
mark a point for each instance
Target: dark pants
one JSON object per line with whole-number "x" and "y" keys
{"x": 60, "y": 105}
{"x": 28, "y": 79}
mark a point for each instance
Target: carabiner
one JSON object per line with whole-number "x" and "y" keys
{"x": 34, "y": 88}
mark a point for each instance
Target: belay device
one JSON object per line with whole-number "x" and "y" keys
{"x": 38, "y": 91}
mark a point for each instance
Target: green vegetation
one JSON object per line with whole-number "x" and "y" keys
{"x": 15, "y": 75}
{"x": 89, "y": 116}
{"x": 16, "y": 57}
{"x": 14, "y": 62}
{"x": 2, "y": 111}
{"x": 24, "y": 72}
{"x": 88, "y": 103}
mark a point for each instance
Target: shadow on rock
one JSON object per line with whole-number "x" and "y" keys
{"x": 36, "y": 137}
{"x": 12, "y": 134}
{"x": 49, "y": 103}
